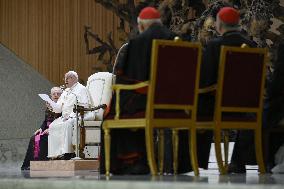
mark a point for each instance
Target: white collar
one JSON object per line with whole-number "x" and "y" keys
{"x": 71, "y": 88}
{"x": 68, "y": 90}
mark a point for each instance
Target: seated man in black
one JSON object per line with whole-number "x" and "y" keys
{"x": 273, "y": 112}
{"x": 128, "y": 153}
{"x": 37, "y": 149}
{"x": 275, "y": 91}
{"x": 227, "y": 25}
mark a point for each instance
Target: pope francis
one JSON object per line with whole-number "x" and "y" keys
{"x": 61, "y": 130}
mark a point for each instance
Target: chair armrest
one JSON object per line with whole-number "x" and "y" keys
{"x": 211, "y": 88}
{"x": 131, "y": 86}
{"x": 119, "y": 87}
{"x": 92, "y": 123}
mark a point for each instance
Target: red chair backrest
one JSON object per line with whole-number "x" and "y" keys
{"x": 177, "y": 67}
{"x": 243, "y": 79}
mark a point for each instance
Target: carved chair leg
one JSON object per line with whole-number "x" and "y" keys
{"x": 161, "y": 150}
{"x": 192, "y": 151}
{"x": 82, "y": 142}
{"x": 150, "y": 150}
{"x": 226, "y": 148}
{"x": 258, "y": 151}
{"x": 218, "y": 152}
{"x": 107, "y": 140}
{"x": 175, "y": 141}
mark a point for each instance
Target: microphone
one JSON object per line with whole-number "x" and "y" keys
{"x": 62, "y": 87}
{"x": 77, "y": 127}
{"x": 76, "y": 104}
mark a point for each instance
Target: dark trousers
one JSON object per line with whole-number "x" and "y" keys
{"x": 244, "y": 149}
{"x": 30, "y": 151}
{"x": 204, "y": 140}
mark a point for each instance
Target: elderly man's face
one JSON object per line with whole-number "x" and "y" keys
{"x": 55, "y": 95}
{"x": 70, "y": 80}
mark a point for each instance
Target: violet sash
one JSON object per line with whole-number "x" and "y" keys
{"x": 37, "y": 142}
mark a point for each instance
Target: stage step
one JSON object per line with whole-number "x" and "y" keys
{"x": 64, "y": 165}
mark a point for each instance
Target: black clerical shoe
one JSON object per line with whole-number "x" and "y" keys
{"x": 69, "y": 156}
{"x": 25, "y": 168}
{"x": 235, "y": 168}
{"x": 132, "y": 169}
{"x": 139, "y": 169}
{"x": 60, "y": 157}
{"x": 183, "y": 170}
{"x": 269, "y": 167}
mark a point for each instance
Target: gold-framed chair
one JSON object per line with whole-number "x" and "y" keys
{"x": 171, "y": 98}
{"x": 239, "y": 98}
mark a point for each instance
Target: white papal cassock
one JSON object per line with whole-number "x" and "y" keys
{"x": 61, "y": 129}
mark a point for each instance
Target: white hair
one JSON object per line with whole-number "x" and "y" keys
{"x": 228, "y": 27}
{"x": 55, "y": 89}
{"x": 148, "y": 21}
{"x": 72, "y": 73}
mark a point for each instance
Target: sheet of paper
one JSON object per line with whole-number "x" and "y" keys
{"x": 46, "y": 98}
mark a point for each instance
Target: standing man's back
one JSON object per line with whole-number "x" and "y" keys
{"x": 227, "y": 25}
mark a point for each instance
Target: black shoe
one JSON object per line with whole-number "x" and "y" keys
{"x": 235, "y": 168}
{"x": 268, "y": 167}
{"x": 132, "y": 169}
{"x": 25, "y": 168}
{"x": 139, "y": 169}
{"x": 60, "y": 157}
{"x": 69, "y": 156}
{"x": 182, "y": 170}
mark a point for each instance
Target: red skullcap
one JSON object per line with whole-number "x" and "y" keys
{"x": 149, "y": 13}
{"x": 229, "y": 15}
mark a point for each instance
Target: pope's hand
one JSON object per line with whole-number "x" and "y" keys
{"x": 48, "y": 105}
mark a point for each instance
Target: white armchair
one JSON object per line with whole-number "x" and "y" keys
{"x": 100, "y": 88}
